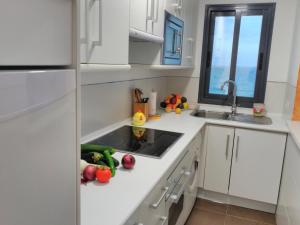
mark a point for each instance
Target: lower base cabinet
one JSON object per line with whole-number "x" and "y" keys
{"x": 257, "y": 165}
{"x": 244, "y": 163}
{"x": 288, "y": 210}
{"x": 173, "y": 198}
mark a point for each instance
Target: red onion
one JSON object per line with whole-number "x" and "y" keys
{"x": 128, "y": 161}
{"x": 89, "y": 173}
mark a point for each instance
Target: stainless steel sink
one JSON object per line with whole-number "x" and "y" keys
{"x": 239, "y": 117}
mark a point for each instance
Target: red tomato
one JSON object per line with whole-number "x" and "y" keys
{"x": 103, "y": 175}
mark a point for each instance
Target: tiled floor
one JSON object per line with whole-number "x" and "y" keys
{"x": 209, "y": 213}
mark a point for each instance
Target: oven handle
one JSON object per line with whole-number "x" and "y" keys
{"x": 175, "y": 197}
{"x": 156, "y": 204}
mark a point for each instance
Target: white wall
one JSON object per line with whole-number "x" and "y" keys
{"x": 279, "y": 56}
{"x": 106, "y": 97}
{"x": 293, "y": 68}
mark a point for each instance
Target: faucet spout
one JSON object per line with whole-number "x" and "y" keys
{"x": 233, "y": 106}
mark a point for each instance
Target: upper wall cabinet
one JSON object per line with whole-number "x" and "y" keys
{"x": 190, "y": 16}
{"x": 147, "y": 16}
{"x": 175, "y": 7}
{"x": 104, "y": 31}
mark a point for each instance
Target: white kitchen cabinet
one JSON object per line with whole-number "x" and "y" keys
{"x": 189, "y": 34}
{"x": 288, "y": 211}
{"x": 147, "y": 16}
{"x": 175, "y": 7}
{"x": 219, "y": 143}
{"x": 104, "y": 32}
{"x": 257, "y": 165}
{"x": 36, "y": 32}
{"x": 139, "y": 14}
{"x": 153, "y": 209}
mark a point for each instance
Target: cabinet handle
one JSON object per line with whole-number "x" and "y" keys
{"x": 163, "y": 219}
{"x": 227, "y": 146}
{"x": 156, "y": 204}
{"x": 155, "y": 19}
{"x": 151, "y": 17}
{"x": 99, "y": 21}
{"x": 237, "y": 147}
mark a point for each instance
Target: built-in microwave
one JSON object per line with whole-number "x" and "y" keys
{"x": 173, "y": 35}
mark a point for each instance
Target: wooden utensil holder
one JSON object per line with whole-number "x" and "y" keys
{"x": 141, "y": 107}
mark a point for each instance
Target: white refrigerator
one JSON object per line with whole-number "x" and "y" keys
{"x": 37, "y": 147}
{"x": 38, "y": 169}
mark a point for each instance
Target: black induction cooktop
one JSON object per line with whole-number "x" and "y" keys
{"x": 139, "y": 140}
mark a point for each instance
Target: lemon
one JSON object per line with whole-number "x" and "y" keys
{"x": 177, "y": 110}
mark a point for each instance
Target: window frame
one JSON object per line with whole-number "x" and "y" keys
{"x": 268, "y": 12}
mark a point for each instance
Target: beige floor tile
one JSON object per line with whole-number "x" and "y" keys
{"x": 200, "y": 217}
{"x": 210, "y": 206}
{"x": 259, "y": 216}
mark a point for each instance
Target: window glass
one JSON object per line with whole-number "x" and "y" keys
{"x": 247, "y": 57}
{"x": 221, "y": 54}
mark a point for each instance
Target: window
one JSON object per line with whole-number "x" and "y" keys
{"x": 236, "y": 46}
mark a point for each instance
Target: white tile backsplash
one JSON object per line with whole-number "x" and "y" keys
{"x": 107, "y": 103}
{"x": 189, "y": 87}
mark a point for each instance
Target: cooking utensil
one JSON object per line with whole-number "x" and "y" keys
{"x": 138, "y": 95}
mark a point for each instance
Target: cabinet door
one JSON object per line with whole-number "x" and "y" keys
{"x": 158, "y": 18}
{"x": 138, "y": 14}
{"x": 256, "y": 165}
{"x": 175, "y": 7}
{"x": 105, "y": 25}
{"x": 189, "y": 36}
{"x": 173, "y": 40}
{"x": 219, "y": 143}
{"x": 153, "y": 209}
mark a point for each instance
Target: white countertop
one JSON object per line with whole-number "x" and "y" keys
{"x": 113, "y": 203}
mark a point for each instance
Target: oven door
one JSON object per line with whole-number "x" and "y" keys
{"x": 190, "y": 193}
{"x": 175, "y": 200}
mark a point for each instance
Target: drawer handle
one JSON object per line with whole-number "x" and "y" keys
{"x": 163, "y": 219}
{"x": 156, "y": 204}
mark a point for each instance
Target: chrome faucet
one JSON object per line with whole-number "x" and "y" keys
{"x": 233, "y": 106}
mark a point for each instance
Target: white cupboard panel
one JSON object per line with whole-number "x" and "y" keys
{"x": 39, "y": 153}
{"x": 35, "y": 32}
{"x": 218, "y": 158}
{"x": 256, "y": 165}
{"x": 288, "y": 212}
{"x": 138, "y": 14}
{"x": 104, "y": 31}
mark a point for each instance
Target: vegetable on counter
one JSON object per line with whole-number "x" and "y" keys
{"x": 89, "y": 173}
{"x": 92, "y": 157}
{"x": 85, "y": 148}
{"x": 128, "y": 161}
{"x": 110, "y": 162}
{"x": 103, "y": 175}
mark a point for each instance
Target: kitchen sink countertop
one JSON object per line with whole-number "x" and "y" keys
{"x": 113, "y": 203}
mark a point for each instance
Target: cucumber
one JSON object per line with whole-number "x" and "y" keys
{"x": 110, "y": 162}
{"x": 96, "y": 148}
{"x": 116, "y": 162}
